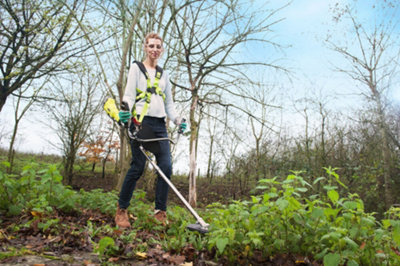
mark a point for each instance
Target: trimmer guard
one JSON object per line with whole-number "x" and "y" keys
{"x": 197, "y": 227}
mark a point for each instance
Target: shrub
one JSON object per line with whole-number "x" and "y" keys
{"x": 325, "y": 226}
{"x": 34, "y": 190}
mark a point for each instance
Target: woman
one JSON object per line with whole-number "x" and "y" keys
{"x": 150, "y": 112}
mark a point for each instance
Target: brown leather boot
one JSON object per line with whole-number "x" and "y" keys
{"x": 161, "y": 216}
{"x": 121, "y": 218}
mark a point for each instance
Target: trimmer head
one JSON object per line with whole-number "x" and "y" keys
{"x": 197, "y": 227}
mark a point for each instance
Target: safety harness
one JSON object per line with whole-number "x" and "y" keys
{"x": 151, "y": 89}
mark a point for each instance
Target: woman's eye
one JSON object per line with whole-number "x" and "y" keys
{"x": 152, "y": 46}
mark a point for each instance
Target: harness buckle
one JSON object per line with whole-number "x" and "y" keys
{"x": 152, "y": 90}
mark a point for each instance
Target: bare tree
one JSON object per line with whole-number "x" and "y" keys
{"x": 37, "y": 38}
{"x": 20, "y": 111}
{"x": 263, "y": 127}
{"x": 372, "y": 61}
{"x": 216, "y": 128}
{"x": 78, "y": 104}
{"x": 210, "y": 33}
{"x": 212, "y": 127}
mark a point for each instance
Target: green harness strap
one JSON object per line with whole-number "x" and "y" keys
{"x": 151, "y": 89}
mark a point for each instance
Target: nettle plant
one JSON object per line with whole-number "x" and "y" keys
{"x": 291, "y": 217}
{"x": 35, "y": 189}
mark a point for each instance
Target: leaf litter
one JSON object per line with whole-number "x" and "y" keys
{"x": 64, "y": 239}
{"x": 28, "y": 240}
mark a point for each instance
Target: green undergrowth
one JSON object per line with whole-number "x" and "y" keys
{"x": 330, "y": 228}
{"x": 286, "y": 216}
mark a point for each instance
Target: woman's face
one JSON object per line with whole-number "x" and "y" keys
{"x": 154, "y": 49}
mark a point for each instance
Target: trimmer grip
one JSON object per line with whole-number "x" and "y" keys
{"x": 124, "y": 106}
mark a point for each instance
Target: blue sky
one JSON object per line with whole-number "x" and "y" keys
{"x": 306, "y": 25}
{"x": 303, "y": 30}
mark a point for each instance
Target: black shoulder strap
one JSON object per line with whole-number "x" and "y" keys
{"x": 159, "y": 70}
{"x": 144, "y": 71}
{"x": 142, "y": 68}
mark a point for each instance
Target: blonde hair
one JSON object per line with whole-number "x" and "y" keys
{"x": 152, "y": 35}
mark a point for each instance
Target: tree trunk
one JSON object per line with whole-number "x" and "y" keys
{"x": 3, "y": 98}
{"x": 69, "y": 169}
{"x": 103, "y": 172}
{"x": 123, "y": 167}
{"x": 209, "y": 165}
{"x": 193, "y": 153}
{"x": 124, "y": 164}
{"x": 192, "y": 174}
{"x": 11, "y": 151}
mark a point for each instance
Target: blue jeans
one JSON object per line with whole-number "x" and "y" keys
{"x": 135, "y": 171}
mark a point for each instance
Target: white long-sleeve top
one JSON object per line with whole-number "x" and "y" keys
{"x": 157, "y": 107}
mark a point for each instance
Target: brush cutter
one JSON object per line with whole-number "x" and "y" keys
{"x": 144, "y": 137}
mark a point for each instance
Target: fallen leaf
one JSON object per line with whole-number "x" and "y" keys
{"x": 3, "y": 235}
{"x": 113, "y": 259}
{"x": 118, "y": 232}
{"x": 55, "y": 239}
{"x": 36, "y": 214}
{"x": 177, "y": 260}
{"x": 187, "y": 264}
{"x": 141, "y": 255}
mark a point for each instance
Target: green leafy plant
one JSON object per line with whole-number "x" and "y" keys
{"x": 35, "y": 190}
{"x": 97, "y": 199}
{"x": 105, "y": 247}
{"x": 289, "y": 218}
{"x": 318, "y": 218}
